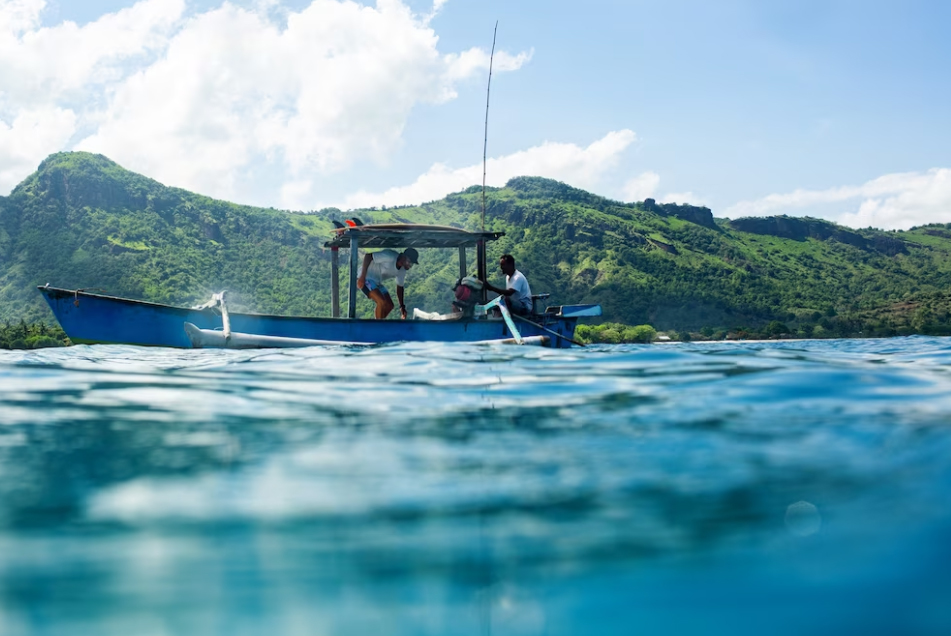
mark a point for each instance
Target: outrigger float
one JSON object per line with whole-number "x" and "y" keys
{"x": 89, "y": 318}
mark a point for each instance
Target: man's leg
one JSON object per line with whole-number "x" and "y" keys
{"x": 384, "y": 304}
{"x": 387, "y": 307}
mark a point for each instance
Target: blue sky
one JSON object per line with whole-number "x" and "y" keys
{"x": 837, "y": 109}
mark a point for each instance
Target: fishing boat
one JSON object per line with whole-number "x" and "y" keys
{"x": 92, "y": 318}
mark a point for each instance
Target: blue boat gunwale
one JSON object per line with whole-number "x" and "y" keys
{"x": 60, "y": 292}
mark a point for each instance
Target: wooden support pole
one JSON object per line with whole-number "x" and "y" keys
{"x": 480, "y": 265}
{"x": 463, "y": 271}
{"x": 354, "y": 274}
{"x": 335, "y": 282}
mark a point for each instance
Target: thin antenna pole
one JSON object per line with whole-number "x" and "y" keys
{"x": 485, "y": 144}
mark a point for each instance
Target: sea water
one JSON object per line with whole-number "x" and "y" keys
{"x": 788, "y": 487}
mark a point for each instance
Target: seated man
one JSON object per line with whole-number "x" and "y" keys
{"x": 380, "y": 266}
{"x": 518, "y": 295}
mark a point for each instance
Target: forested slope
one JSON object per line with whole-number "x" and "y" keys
{"x": 83, "y": 221}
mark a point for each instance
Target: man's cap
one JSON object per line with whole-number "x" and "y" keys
{"x": 412, "y": 255}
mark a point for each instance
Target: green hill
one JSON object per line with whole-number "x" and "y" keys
{"x": 83, "y": 221}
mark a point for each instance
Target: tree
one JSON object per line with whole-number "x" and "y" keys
{"x": 640, "y": 333}
{"x": 776, "y": 328}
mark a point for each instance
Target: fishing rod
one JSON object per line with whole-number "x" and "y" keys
{"x": 485, "y": 143}
{"x": 480, "y": 247}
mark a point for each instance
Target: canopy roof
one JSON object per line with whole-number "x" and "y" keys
{"x": 409, "y": 235}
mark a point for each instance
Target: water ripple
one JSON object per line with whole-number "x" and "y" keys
{"x": 451, "y": 459}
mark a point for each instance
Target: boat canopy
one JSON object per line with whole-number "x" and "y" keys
{"x": 409, "y": 235}
{"x": 400, "y": 236}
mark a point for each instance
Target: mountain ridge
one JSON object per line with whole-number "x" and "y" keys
{"x": 81, "y": 220}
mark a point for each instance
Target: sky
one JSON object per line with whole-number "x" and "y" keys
{"x": 837, "y": 109}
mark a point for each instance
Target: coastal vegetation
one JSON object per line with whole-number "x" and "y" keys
{"x": 615, "y": 333}
{"x": 34, "y": 336}
{"x": 82, "y": 221}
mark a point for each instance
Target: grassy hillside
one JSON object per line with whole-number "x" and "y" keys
{"x": 83, "y": 221}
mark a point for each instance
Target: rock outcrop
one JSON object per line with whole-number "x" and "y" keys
{"x": 800, "y": 229}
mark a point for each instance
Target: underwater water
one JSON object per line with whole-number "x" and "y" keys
{"x": 710, "y": 488}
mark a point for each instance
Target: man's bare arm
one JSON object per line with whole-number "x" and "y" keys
{"x": 363, "y": 272}
{"x": 399, "y": 296}
{"x": 498, "y": 290}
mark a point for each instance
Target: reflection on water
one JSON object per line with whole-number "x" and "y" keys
{"x": 748, "y": 488}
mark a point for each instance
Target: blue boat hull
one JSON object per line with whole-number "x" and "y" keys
{"x": 96, "y": 319}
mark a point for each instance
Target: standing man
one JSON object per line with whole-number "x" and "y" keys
{"x": 380, "y": 266}
{"x": 518, "y": 295}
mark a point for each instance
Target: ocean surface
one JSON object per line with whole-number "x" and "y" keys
{"x": 799, "y": 487}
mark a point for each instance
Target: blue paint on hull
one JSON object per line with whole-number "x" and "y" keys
{"x": 94, "y": 318}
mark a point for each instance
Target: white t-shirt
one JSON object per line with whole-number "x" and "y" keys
{"x": 522, "y": 298}
{"x": 383, "y": 266}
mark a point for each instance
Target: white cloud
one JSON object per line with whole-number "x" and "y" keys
{"x": 296, "y": 195}
{"x": 644, "y": 186}
{"x": 580, "y": 167}
{"x": 335, "y": 85}
{"x": 32, "y": 134}
{"x": 39, "y": 67}
{"x": 641, "y": 187}
{"x": 682, "y": 198}
{"x": 215, "y": 99}
{"x": 469, "y": 62}
{"x": 17, "y": 16}
{"x": 892, "y": 201}
{"x": 437, "y": 7}
{"x": 47, "y": 74}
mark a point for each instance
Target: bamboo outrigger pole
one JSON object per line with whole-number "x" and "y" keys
{"x": 480, "y": 256}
